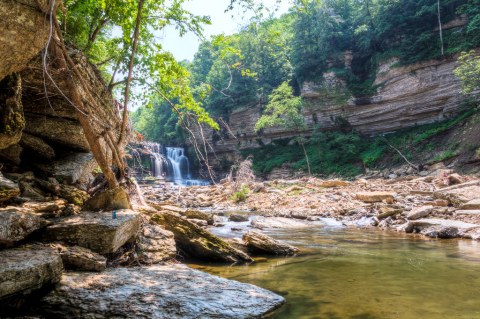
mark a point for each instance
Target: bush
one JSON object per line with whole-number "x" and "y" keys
{"x": 241, "y": 195}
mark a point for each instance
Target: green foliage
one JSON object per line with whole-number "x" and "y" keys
{"x": 468, "y": 71}
{"x": 158, "y": 123}
{"x": 347, "y": 153}
{"x": 103, "y": 30}
{"x": 445, "y": 155}
{"x": 283, "y": 110}
{"x": 241, "y": 195}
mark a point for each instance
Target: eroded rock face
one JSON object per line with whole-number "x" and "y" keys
{"x": 96, "y": 231}
{"x": 23, "y": 270}
{"x": 16, "y": 225}
{"x": 197, "y": 242}
{"x": 23, "y": 33}
{"x": 157, "y": 292}
{"x": 407, "y": 96}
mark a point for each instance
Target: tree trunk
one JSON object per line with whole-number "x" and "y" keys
{"x": 440, "y": 25}
{"x": 63, "y": 62}
{"x": 130, "y": 71}
{"x": 306, "y": 157}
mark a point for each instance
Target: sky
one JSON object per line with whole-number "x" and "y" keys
{"x": 184, "y": 48}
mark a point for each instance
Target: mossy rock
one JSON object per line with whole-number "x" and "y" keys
{"x": 73, "y": 195}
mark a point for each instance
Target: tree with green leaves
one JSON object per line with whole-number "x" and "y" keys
{"x": 468, "y": 71}
{"x": 120, "y": 38}
{"x": 285, "y": 110}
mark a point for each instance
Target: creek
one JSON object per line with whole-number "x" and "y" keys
{"x": 346, "y": 273}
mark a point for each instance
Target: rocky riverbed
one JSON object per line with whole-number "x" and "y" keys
{"x": 437, "y": 203}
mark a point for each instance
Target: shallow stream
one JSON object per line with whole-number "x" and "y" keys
{"x": 362, "y": 274}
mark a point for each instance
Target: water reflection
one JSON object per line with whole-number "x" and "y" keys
{"x": 368, "y": 274}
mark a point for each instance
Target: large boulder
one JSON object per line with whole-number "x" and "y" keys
{"x": 24, "y": 270}
{"x": 110, "y": 199}
{"x": 23, "y": 33}
{"x": 156, "y": 244}
{"x": 197, "y": 242}
{"x": 57, "y": 130}
{"x": 99, "y": 232}
{"x": 460, "y": 194}
{"x": 156, "y": 292}
{"x": 8, "y": 189}
{"x": 419, "y": 212}
{"x": 76, "y": 167}
{"x": 16, "y": 225}
{"x": 261, "y": 243}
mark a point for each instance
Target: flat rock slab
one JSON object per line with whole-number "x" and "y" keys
{"x": 427, "y": 222}
{"x": 157, "y": 292}
{"x": 474, "y": 204}
{"x": 374, "y": 197}
{"x": 460, "y": 195}
{"x": 468, "y": 212}
{"x": 97, "y": 231}
{"x": 419, "y": 212}
{"x": 23, "y": 270}
{"x": 279, "y": 222}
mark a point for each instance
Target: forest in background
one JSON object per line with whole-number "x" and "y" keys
{"x": 242, "y": 70}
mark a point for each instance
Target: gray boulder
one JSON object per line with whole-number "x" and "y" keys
{"x": 96, "y": 231}
{"x": 24, "y": 270}
{"x": 157, "y": 292}
{"x": 156, "y": 244}
{"x": 261, "y": 243}
{"x": 419, "y": 212}
{"x": 8, "y": 189}
{"x": 15, "y": 225}
{"x": 71, "y": 169}
{"x": 79, "y": 258}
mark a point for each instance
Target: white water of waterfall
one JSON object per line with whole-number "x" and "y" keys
{"x": 177, "y": 158}
{"x": 181, "y": 168}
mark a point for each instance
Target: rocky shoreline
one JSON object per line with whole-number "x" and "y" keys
{"x": 114, "y": 263}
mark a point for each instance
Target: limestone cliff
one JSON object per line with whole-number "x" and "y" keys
{"x": 406, "y": 96}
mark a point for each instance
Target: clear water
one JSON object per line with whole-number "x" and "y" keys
{"x": 361, "y": 274}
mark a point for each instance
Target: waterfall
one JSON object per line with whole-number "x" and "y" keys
{"x": 159, "y": 163}
{"x": 171, "y": 163}
{"x": 178, "y": 160}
